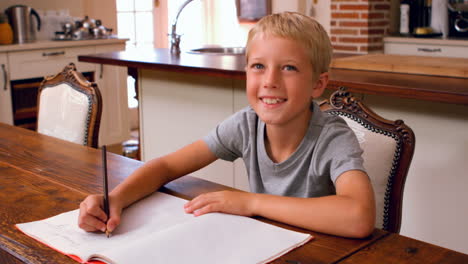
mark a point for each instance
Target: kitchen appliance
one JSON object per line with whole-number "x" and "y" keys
{"x": 83, "y": 29}
{"x": 458, "y": 20}
{"x": 20, "y": 18}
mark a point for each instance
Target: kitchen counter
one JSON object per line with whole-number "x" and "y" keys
{"x": 421, "y": 87}
{"x": 438, "y": 41}
{"x": 46, "y": 44}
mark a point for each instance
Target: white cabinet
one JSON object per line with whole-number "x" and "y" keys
{"x": 42, "y": 62}
{"x": 6, "y": 115}
{"x": 47, "y": 58}
{"x": 112, "y": 82}
{"x": 426, "y": 47}
{"x": 177, "y": 109}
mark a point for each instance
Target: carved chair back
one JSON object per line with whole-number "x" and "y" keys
{"x": 388, "y": 150}
{"x": 69, "y": 107}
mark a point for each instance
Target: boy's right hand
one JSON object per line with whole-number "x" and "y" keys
{"x": 92, "y": 217}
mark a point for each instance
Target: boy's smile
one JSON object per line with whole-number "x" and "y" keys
{"x": 280, "y": 82}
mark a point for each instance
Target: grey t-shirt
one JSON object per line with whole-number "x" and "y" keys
{"x": 328, "y": 149}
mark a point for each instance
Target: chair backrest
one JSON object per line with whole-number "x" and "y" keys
{"x": 69, "y": 107}
{"x": 388, "y": 150}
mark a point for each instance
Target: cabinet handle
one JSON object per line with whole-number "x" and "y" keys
{"x": 430, "y": 50}
{"x": 55, "y": 53}
{"x": 4, "y": 77}
{"x": 101, "y": 73}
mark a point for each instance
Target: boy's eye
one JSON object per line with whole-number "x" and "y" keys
{"x": 257, "y": 66}
{"x": 290, "y": 68}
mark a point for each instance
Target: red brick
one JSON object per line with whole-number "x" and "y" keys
{"x": 333, "y": 7}
{"x": 353, "y": 7}
{"x": 345, "y": 15}
{"x": 341, "y": 31}
{"x": 372, "y": 15}
{"x": 381, "y": 7}
{"x": 333, "y": 23}
{"x": 345, "y": 48}
{"x": 379, "y": 23}
{"x": 353, "y": 24}
{"x": 376, "y": 40}
{"x": 352, "y": 40}
{"x": 368, "y": 31}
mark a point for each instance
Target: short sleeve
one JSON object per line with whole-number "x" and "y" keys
{"x": 340, "y": 151}
{"x": 228, "y": 140}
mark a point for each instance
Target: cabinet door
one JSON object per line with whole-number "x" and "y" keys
{"x": 112, "y": 82}
{"x": 241, "y": 178}
{"x": 177, "y": 109}
{"x": 6, "y": 115}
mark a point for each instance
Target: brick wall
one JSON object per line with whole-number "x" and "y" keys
{"x": 358, "y": 26}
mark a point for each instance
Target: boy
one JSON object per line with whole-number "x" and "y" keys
{"x": 305, "y": 167}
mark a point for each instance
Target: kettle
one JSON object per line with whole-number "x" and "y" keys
{"x": 21, "y": 22}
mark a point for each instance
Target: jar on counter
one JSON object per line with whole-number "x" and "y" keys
{"x": 6, "y": 33}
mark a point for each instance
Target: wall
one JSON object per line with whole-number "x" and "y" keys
{"x": 318, "y": 9}
{"x": 77, "y": 8}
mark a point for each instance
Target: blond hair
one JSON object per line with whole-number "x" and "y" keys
{"x": 301, "y": 28}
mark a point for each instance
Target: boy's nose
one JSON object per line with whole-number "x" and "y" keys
{"x": 271, "y": 79}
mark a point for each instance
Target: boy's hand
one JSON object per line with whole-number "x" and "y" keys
{"x": 92, "y": 217}
{"x": 230, "y": 202}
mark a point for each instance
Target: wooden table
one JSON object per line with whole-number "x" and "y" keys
{"x": 41, "y": 176}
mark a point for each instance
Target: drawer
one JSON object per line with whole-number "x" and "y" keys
{"x": 39, "y": 63}
{"x": 426, "y": 50}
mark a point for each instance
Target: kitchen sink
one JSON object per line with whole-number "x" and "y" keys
{"x": 219, "y": 51}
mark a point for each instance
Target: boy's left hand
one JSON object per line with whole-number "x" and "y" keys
{"x": 230, "y": 202}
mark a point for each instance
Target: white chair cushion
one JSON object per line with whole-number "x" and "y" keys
{"x": 63, "y": 113}
{"x": 379, "y": 151}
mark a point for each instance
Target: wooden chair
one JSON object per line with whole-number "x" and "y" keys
{"x": 69, "y": 107}
{"x": 388, "y": 150}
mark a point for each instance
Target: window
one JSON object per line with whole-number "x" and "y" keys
{"x": 206, "y": 23}
{"x": 135, "y": 22}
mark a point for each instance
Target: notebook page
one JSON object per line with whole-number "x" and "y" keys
{"x": 150, "y": 215}
{"x": 214, "y": 238}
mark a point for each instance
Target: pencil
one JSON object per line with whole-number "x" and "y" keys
{"x": 106, "y": 190}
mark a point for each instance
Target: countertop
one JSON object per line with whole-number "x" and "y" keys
{"x": 421, "y": 87}
{"x": 46, "y": 44}
{"x": 430, "y": 41}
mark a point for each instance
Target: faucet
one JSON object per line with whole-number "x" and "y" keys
{"x": 175, "y": 38}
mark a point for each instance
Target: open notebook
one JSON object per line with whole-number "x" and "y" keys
{"x": 157, "y": 230}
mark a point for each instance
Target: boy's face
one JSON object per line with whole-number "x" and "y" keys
{"x": 280, "y": 83}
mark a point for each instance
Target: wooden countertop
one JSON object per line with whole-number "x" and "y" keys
{"x": 49, "y": 44}
{"x": 421, "y": 87}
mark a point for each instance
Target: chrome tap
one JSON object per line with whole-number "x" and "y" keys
{"x": 175, "y": 38}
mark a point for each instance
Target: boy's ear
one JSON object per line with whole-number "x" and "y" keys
{"x": 320, "y": 85}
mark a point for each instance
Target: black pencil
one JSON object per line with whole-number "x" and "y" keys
{"x": 106, "y": 190}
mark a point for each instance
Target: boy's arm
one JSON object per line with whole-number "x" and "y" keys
{"x": 159, "y": 171}
{"x": 142, "y": 182}
{"x": 349, "y": 213}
